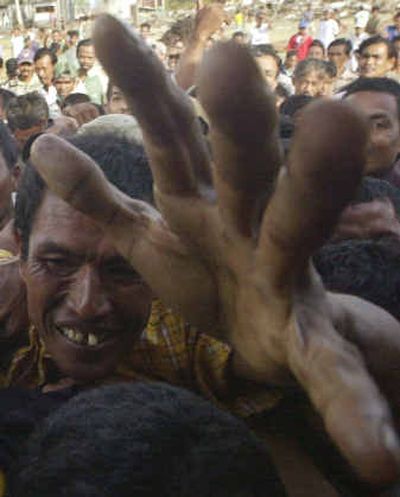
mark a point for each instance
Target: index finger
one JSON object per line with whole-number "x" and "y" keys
{"x": 171, "y": 131}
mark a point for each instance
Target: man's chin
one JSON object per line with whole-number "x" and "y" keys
{"x": 83, "y": 363}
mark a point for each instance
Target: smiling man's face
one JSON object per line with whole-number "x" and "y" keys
{"x": 86, "y": 301}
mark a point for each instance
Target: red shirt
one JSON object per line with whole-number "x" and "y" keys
{"x": 301, "y": 44}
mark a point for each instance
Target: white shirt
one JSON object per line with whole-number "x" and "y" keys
{"x": 51, "y": 98}
{"x": 361, "y": 18}
{"x": 17, "y": 43}
{"x": 357, "y": 40}
{"x": 260, "y": 36}
{"x": 328, "y": 30}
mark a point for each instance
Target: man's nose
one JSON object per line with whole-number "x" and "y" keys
{"x": 87, "y": 296}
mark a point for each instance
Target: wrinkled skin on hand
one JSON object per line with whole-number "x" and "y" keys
{"x": 233, "y": 257}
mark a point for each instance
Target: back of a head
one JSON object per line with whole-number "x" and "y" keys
{"x": 12, "y": 67}
{"x": 123, "y": 161}
{"x": 76, "y": 98}
{"x": 366, "y": 268}
{"x": 294, "y": 104}
{"x": 378, "y": 189}
{"x": 26, "y": 111}
{"x": 144, "y": 440}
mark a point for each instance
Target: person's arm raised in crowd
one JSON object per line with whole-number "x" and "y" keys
{"x": 208, "y": 21}
{"x": 233, "y": 257}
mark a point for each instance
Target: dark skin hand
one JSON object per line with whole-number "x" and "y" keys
{"x": 207, "y": 22}
{"x": 249, "y": 281}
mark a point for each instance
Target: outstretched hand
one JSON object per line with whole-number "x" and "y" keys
{"x": 233, "y": 255}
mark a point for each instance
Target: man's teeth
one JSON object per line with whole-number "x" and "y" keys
{"x": 92, "y": 340}
{"x": 82, "y": 338}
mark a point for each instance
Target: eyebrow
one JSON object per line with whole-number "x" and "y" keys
{"x": 53, "y": 247}
{"x": 379, "y": 115}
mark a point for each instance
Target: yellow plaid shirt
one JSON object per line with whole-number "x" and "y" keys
{"x": 168, "y": 350}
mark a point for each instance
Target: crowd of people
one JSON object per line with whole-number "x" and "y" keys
{"x": 200, "y": 259}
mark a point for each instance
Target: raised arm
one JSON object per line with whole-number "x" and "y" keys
{"x": 234, "y": 257}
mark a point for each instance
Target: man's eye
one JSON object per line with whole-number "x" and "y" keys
{"x": 385, "y": 124}
{"x": 122, "y": 272}
{"x": 59, "y": 265}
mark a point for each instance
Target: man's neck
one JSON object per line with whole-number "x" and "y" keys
{"x": 83, "y": 74}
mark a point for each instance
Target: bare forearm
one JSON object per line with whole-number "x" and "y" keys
{"x": 189, "y": 62}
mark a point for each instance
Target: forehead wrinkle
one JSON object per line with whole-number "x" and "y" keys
{"x": 57, "y": 222}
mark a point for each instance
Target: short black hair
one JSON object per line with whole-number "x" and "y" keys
{"x": 11, "y": 67}
{"x": 369, "y": 268}
{"x": 294, "y": 103}
{"x": 365, "y": 268}
{"x": 378, "y": 39}
{"x": 8, "y": 147}
{"x": 124, "y": 163}
{"x": 145, "y": 25}
{"x": 380, "y": 85}
{"x": 318, "y": 43}
{"x": 87, "y": 42}
{"x": 27, "y": 110}
{"x": 43, "y": 52}
{"x": 144, "y": 440}
{"x": 377, "y": 189}
{"x": 339, "y": 42}
{"x": 76, "y": 98}
{"x": 267, "y": 50}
